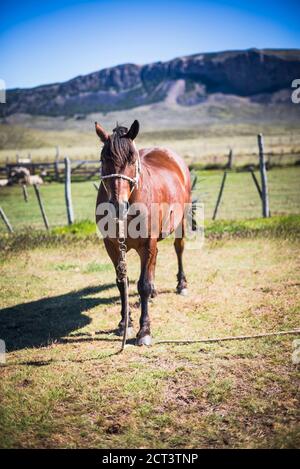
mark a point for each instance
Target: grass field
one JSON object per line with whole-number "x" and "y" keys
{"x": 240, "y": 199}
{"x": 201, "y": 134}
{"x": 196, "y": 146}
{"x": 65, "y": 385}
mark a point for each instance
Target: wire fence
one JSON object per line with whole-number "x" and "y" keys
{"x": 23, "y": 214}
{"x": 240, "y": 198}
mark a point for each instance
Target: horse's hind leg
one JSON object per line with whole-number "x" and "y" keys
{"x": 153, "y": 293}
{"x": 179, "y": 247}
{"x": 113, "y": 253}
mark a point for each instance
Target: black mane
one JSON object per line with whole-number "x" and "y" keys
{"x": 118, "y": 148}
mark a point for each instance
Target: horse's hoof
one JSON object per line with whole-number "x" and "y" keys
{"x": 183, "y": 292}
{"x": 145, "y": 340}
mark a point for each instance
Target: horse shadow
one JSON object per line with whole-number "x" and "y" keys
{"x": 39, "y": 323}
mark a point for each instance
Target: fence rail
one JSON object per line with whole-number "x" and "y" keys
{"x": 54, "y": 171}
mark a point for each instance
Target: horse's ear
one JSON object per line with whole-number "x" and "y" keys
{"x": 102, "y": 134}
{"x": 133, "y": 131}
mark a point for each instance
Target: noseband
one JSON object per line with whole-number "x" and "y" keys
{"x": 134, "y": 181}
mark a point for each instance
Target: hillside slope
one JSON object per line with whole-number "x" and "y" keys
{"x": 262, "y": 75}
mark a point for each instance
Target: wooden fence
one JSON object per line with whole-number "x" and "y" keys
{"x": 64, "y": 171}
{"x": 84, "y": 170}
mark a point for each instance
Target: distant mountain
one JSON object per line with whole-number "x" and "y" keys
{"x": 262, "y": 75}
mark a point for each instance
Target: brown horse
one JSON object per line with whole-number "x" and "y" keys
{"x": 151, "y": 176}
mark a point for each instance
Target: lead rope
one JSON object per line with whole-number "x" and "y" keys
{"x": 122, "y": 275}
{"x": 233, "y": 337}
{"x": 122, "y": 267}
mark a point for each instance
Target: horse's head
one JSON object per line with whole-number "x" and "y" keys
{"x": 120, "y": 165}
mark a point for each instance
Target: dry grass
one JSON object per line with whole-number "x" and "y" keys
{"x": 182, "y": 129}
{"x": 64, "y": 384}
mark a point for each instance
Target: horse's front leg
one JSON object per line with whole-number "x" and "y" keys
{"x": 147, "y": 255}
{"x": 121, "y": 325}
{"x": 114, "y": 253}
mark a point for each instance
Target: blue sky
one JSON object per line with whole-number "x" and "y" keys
{"x": 50, "y": 41}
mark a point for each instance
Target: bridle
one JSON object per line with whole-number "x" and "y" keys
{"x": 134, "y": 181}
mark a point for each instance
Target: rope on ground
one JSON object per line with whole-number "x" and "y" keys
{"x": 223, "y": 339}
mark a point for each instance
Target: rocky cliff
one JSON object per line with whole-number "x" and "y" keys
{"x": 258, "y": 74}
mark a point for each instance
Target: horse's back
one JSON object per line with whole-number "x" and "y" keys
{"x": 162, "y": 162}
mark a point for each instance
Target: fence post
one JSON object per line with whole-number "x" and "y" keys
{"x": 38, "y": 196}
{"x": 256, "y": 183}
{"x": 230, "y": 159}
{"x": 25, "y": 193}
{"x": 220, "y": 195}
{"x": 264, "y": 179}
{"x": 56, "y": 170}
{"x": 7, "y": 168}
{"x": 68, "y": 195}
{"x": 194, "y": 180}
{"x": 6, "y": 221}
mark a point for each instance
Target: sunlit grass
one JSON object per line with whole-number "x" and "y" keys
{"x": 64, "y": 385}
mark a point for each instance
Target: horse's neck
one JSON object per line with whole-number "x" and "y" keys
{"x": 143, "y": 186}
